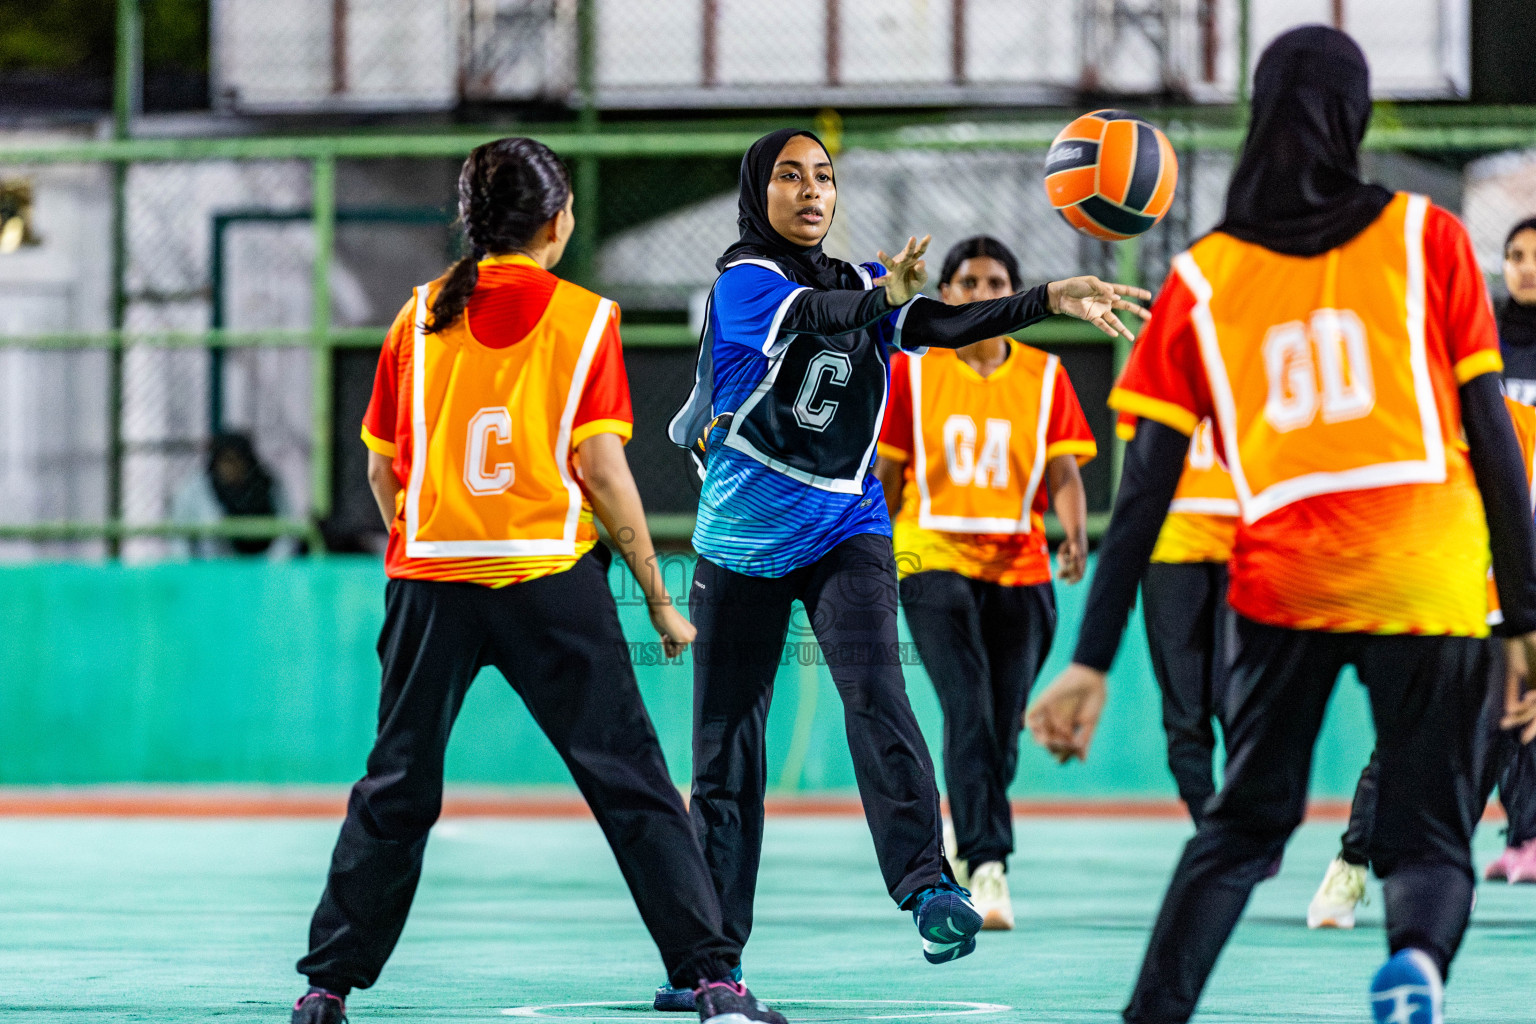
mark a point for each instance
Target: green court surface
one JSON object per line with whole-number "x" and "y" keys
{"x": 181, "y": 920}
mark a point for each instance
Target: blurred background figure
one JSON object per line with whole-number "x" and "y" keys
{"x": 1517, "y": 315}
{"x": 233, "y": 483}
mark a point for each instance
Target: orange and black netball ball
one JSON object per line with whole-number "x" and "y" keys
{"x": 1111, "y": 174}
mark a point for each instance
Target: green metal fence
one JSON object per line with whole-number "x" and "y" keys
{"x": 1443, "y": 134}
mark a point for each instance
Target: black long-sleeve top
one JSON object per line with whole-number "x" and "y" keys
{"x": 1154, "y": 461}
{"x": 920, "y": 322}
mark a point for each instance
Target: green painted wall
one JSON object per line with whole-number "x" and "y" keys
{"x": 249, "y": 672}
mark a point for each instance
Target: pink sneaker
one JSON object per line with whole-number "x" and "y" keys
{"x": 1498, "y": 870}
{"x": 1523, "y": 866}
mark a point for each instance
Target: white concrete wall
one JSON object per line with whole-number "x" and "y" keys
{"x": 279, "y": 54}
{"x": 53, "y": 404}
{"x": 1416, "y": 47}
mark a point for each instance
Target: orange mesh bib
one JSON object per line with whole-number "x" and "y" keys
{"x": 1341, "y": 429}
{"x": 1202, "y": 518}
{"x": 980, "y": 441}
{"x": 1524, "y": 419}
{"x": 1334, "y": 393}
{"x": 491, "y": 433}
{"x": 1206, "y": 486}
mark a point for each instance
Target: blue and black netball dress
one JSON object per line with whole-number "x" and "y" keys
{"x": 791, "y": 384}
{"x": 790, "y": 449}
{"x": 790, "y": 391}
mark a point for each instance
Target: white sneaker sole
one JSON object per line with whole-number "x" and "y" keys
{"x": 1342, "y": 920}
{"x": 996, "y": 919}
{"x": 728, "y": 1018}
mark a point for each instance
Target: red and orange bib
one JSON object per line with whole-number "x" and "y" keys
{"x": 1202, "y": 518}
{"x": 489, "y": 492}
{"x": 976, "y": 450}
{"x": 980, "y": 442}
{"x": 1524, "y": 419}
{"x": 1332, "y": 381}
{"x": 491, "y": 433}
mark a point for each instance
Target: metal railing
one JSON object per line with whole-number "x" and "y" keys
{"x": 585, "y": 143}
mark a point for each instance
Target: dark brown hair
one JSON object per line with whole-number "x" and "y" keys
{"x": 508, "y": 189}
{"x": 978, "y": 246}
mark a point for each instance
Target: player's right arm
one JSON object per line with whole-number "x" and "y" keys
{"x": 603, "y": 422}
{"x": 1162, "y": 386}
{"x": 381, "y": 419}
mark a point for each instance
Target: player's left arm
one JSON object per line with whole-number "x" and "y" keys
{"x": 930, "y": 323}
{"x": 1069, "y": 446}
{"x": 1065, "y": 715}
{"x": 1070, "y": 503}
{"x": 889, "y": 472}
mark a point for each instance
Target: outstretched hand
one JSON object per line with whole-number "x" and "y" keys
{"x": 1063, "y": 718}
{"x": 906, "y": 272}
{"x": 1090, "y": 299}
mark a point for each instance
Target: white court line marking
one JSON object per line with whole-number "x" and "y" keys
{"x": 965, "y": 1009}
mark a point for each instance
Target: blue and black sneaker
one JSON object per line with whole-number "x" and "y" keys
{"x": 730, "y": 1002}
{"x": 319, "y": 1006}
{"x": 946, "y": 921}
{"x": 1407, "y": 990}
{"x": 680, "y": 1000}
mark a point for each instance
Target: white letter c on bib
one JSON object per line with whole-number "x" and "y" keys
{"x": 493, "y": 421}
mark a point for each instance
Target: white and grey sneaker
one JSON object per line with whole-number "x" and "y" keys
{"x": 1342, "y": 890}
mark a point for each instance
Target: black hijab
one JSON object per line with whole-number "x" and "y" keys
{"x": 1297, "y": 188}
{"x": 759, "y": 241}
{"x": 1517, "y": 323}
{"x": 251, "y": 493}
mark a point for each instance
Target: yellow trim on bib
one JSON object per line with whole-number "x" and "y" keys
{"x": 378, "y": 444}
{"x": 1166, "y": 413}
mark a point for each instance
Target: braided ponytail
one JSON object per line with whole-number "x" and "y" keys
{"x": 508, "y": 190}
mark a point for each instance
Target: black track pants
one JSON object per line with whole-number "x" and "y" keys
{"x": 1355, "y": 844}
{"x": 1507, "y": 765}
{"x": 1426, "y": 696}
{"x": 850, "y": 596}
{"x": 1189, "y": 627}
{"x": 1517, "y": 789}
{"x": 557, "y": 641}
{"x": 983, "y": 646}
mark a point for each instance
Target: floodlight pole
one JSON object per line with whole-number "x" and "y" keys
{"x": 127, "y": 95}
